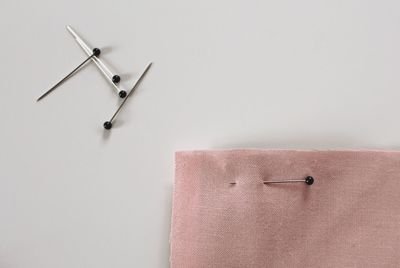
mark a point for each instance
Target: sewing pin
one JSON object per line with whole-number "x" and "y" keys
{"x": 108, "y": 124}
{"x": 96, "y": 52}
{"x": 308, "y": 180}
{"x": 113, "y": 79}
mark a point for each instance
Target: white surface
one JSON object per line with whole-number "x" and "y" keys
{"x": 270, "y": 74}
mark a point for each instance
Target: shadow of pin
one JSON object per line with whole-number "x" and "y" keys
{"x": 126, "y": 76}
{"x": 106, "y": 49}
{"x": 106, "y": 134}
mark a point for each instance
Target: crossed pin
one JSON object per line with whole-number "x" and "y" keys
{"x": 113, "y": 79}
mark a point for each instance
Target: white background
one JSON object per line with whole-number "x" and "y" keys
{"x": 226, "y": 74}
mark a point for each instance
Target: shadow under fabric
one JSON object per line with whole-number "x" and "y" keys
{"x": 349, "y": 217}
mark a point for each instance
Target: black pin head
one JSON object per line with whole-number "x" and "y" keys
{"x": 96, "y": 51}
{"x": 309, "y": 180}
{"x": 116, "y": 79}
{"x": 122, "y": 94}
{"x": 107, "y": 125}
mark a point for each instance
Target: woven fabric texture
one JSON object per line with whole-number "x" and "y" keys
{"x": 224, "y": 216}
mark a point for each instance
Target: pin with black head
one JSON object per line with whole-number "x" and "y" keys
{"x": 96, "y": 53}
{"x": 115, "y": 79}
{"x": 108, "y": 124}
{"x": 122, "y": 94}
{"x": 112, "y": 78}
{"x": 307, "y": 180}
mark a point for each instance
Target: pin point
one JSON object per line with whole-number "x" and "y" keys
{"x": 96, "y": 53}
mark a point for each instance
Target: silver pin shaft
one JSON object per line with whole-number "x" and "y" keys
{"x": 308, "y": 180}
{"x": 67, "y": 76}
{"x": 108, "y": 124}
{"x": 99, "y": 63}
{"x": 285, "y": 181}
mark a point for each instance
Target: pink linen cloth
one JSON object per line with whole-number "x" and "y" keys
{"x": 349, "y": 217}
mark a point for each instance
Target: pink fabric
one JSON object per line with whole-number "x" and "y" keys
{"x": 350, "y": 216}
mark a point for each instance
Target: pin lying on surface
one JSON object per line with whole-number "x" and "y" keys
{"x": 113, "y": 79}
{"x": 308, "y": 180}
{"x": 95, "y": 53}
{"x": 108, "y": 124}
